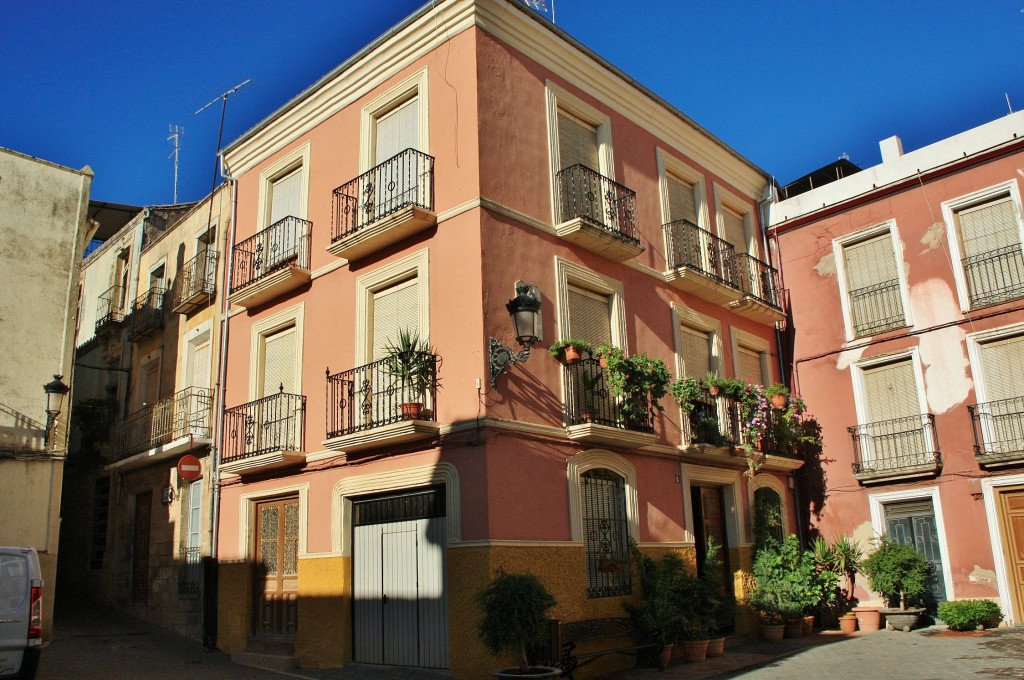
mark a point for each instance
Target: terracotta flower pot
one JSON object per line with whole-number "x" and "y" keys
{"x": 665, "y": 656}
{"x": 772, "y": 632}
{"x": 848, "y": 623}
{"x": 695, "y": 651}
{"x": 809, "y": 625}
{"x": 868, "y": 618}
{"x": 779, "y": 400}
{"x": 716, "y": 646}
{"x": 794, "y": 629}
{"x": 412, "y": 410}
{"x": 572, "y": 355}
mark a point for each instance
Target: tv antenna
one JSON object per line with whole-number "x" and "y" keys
{"x": 177, "y": 132}
{"x": 223, "y": 97}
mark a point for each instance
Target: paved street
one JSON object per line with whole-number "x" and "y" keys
{"x": 92, "y": 643}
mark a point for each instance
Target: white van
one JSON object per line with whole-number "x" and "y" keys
{"x": 21, "y": 612}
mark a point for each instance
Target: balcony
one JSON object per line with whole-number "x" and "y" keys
{"x": 759, "y": 284}
{"x": 163, "y": 430}
{"x": 891, "y": 450}
{"x": 271, "y": 263}
{"x": 877, "y": 308}
{"x": 596, "y": 213}
{"x": 196, "y": 283}
{"x": 373, "y": 405}
{"x": 998, "y": 428}
{"x": 383, "y": 205}
{"x": 698, "y": 262}
{"x": 109, "y": 310}
{"x": 146, "y": 316}
{"x": 712, "y": 421}
{"x": 995, "y": 276}
{"x": 266, "y": 434}
{"x": 593, "y": 415}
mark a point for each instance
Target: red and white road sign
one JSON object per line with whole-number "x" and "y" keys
{"x": 189, "y": 468}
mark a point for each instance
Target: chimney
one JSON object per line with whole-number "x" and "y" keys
{"x": 892, "y": 148}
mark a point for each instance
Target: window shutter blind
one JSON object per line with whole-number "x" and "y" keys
{"x": 394, "y": 309}
{"x": 890, "y": 392}
{"x": 577, "y": 143}
{"x": 200, "y": 368}
{"x": 681, "y": 204}
{"x": 590, "y": 316}
{"x": 696, "y": 352}
{"x": 152, "y": 391}
{"x": 734, "y": 231}
{"x": 988, "y": 227}
{"x": 285, "y": 194}
{"x": 870, "y": 262}
{"x": 398, "y": 130}
{"x": 279, "y": 362}
{"x": 750, "y": 366}
{"x": 195, "y": 518}
{"x": 1002, "y": 365}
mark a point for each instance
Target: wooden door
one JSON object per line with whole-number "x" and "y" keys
{"x": 140, "y": 547}
{"x": 709, "y": 522}
{"x": 1012, "y": 508}
{"x": 277, "y": 559}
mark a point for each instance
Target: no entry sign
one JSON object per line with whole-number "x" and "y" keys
{"x": 189, "y": 468}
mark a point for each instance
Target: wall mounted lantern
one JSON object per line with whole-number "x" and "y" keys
{"x": 524, "y": 309}
{"x": 55, "y": 390}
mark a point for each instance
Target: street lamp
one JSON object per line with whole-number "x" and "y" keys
{"x": 524, "y": 309}
{"x": 55, "y": 390}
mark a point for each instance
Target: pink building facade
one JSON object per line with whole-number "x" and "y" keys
{"x": 905, "y": 284}
{"x": 408, "y": 192}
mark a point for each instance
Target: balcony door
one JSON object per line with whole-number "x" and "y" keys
{"x": 282, "y": 243}
{"x": 1002, "y": 414}
{"x": 892, "y": 407}
{"x": 277, "y": 426}
{"x": 581, "y": 193}
{"x": 590, "y": 319}
{"x": 396, "y": 184}
{"x": 396, "y": 308}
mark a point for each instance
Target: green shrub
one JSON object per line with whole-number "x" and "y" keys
{"x": 785, "y": 582}
{"x": 969, "y": 614}
{"x": 515, "y": 608}
{"x": 897, "y": 571}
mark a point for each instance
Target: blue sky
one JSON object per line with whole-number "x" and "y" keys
{"x": 790, "y": 85}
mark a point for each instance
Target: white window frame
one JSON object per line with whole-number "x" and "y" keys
{"x": 559, "y": 99}
{"x": 990, "y": 486}
{"x": 413, "y": 86}
{"x": 415, "y": 265}
{"x": 195, "y": 491}
{"x": 594, "y": 459}
{"x": 766, "y": 480}
{"x": 877, "y": 502}
{"x": 247, "y": 514}
{"x": 192, "y": 339}
{"x": 745, "y": 208}
{"x": 950, "y": 209}
{"x": 297, "y": 159}
{"x": 569, "y": 273}
{"x": 838, "y": 246}
{"x": 292, "y": 316}
{"x": 729, "y": 480}
{"x": 741, "y": 338}
{"x": 974, "y": 343}
{"x": 670, "y": 165}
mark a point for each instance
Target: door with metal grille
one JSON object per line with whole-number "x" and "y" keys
{"x": 277, "y": 559}
{"x": 400, "y": 608}
{"x": 913, "y": 523}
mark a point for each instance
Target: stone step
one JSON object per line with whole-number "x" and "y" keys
{"x": 270, "y": 646}
{"x": 274, "y": 662}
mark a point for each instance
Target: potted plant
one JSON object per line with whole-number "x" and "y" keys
{"x": 784, "y": 585}
{"x": 658, "y": 614}
{"x": 726, "y": 387}
{"x": 515, "y": 608}
{"x": 970, "y": 614}
{"x": 778, "y": 395}
{"x": 638, "y": 380}
{"x": 720, "y": 604}
{"x": 899, "y": 573}
{"x": 411, "y": 362}
{"x": 570, "y": 351}
{"x": 687, "y": 391}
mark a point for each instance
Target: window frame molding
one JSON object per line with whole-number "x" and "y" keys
{"x": 729, "y": 480}
{"x": 860, "y": 395}
{"x": 686, "y": 316}
{"x": 670, "y": 165}
{"x": 289, "y": 317}
{"x": 247, "y": 514}
{"x": 974, "y": 343}
{"x": 766, "y": 480}
{"x": 838, "y": 246}
{"x": 569, "y": 273}
{"x": 739, "y": 337}
{"x": 290, "y": 162}
{"x": 951, "y": 207}
{"x": 593, "y": 459}
{"x": 416, "y": 85}
{"x": 189, "y": 341}
{"x": 415, "y": 265}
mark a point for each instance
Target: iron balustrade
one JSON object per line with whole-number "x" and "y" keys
{"x": 755, "y": 278}
{"x": 404, "y": 180}
{"x": 588, "y": 399}
{"x": 373, "y": 395}
{"x": 712, "y": 420}
{"x": 189, "y": 412}
{"x": 283, "y": 243}
{"x": 274, "y": 423}
{"x": 190, "y": 571}
{"x": 197, "y": 278}
{"x": 110, "y": 309}
{"x": 895, "y": 445}
{"x": 583, "y": 193}
{"x": 877, "y": 308}
{"x": 146, "y": 316}
{"x": 995, "y": 276}
{"x": 695, "y": 248}
{"x": 998, "y": 426}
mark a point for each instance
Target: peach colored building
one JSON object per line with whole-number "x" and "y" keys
{"x": 474, "y": 147}
{"x": 905, "y": 283}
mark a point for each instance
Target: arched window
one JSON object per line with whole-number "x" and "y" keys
{"x": 605, "y": 533}
{"x": 767, "y": 516}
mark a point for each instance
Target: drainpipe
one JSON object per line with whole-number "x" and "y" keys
{"x": 762, "y": 208}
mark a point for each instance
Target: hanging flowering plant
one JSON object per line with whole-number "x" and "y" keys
{"x": 636, "y": 378}
{"x": 771, "y": 429}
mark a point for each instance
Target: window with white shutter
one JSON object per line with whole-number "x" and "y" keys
{"x": 279, "y": 350}
{"x": 395, "y": 308}
{"x": 1002, "y": 414}
{"x": 873, "y": 285}
{"x": 894, "y": 434}
{"x": 397, "y": 130}
{"x": 285, "y": 196}
{"x": 991, "y": 253}
{"x": 735, "y": 231}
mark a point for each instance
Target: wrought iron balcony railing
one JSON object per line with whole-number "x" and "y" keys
{"x": 898, "y": 445}
{"x": 274, "y": 423}
{"x": 698, "y": 249}
{"x": 404, "y": 180}
{"x": 379, "y": 394}
{"x": 995, "y": 276}
{"x": 584, "y": 194}
{"x": 713, "y": 420}
{"x": 588, "y": 399}
{"x": 146, "y": 316}
{"x": 189, "y": 412}
{"x": 190, "y": 571}
{"x": 109, "y": 310}
{"x": 283, "y": 243}
{"x": 756, "y": 279}
{"x": 998, "y": 428}
{"x": 877, "y": 308}
{"x": 196, "y": 283}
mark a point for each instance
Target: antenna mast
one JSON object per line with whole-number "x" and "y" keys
{"x": 223, "y": 97}
{"x": 176, "y": 133}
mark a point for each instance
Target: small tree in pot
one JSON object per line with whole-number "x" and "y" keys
{"x": 900, "y": 574}
{"x": 515, "y": 608}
